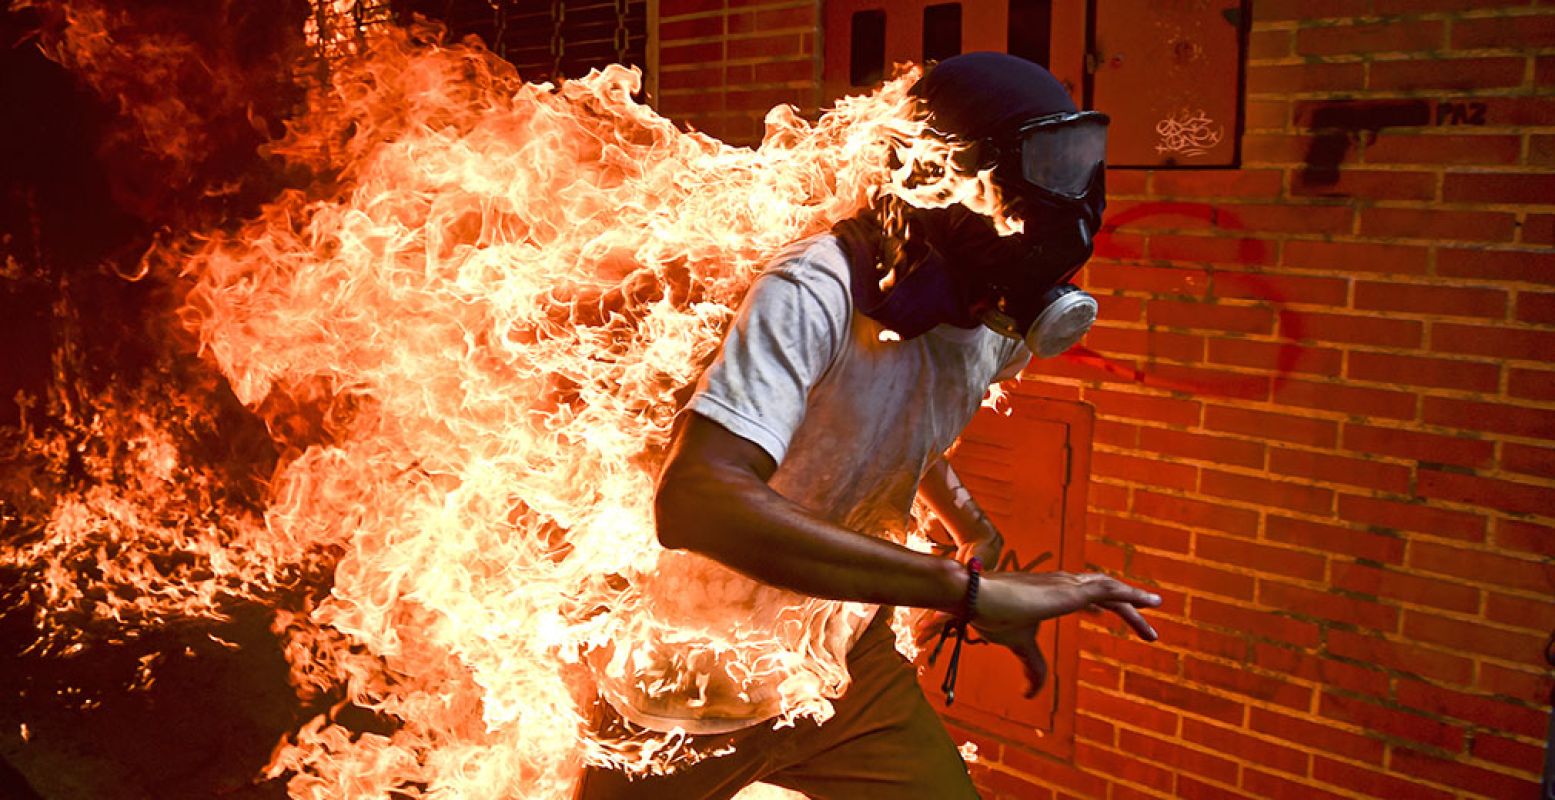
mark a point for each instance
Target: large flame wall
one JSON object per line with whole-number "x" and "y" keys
{"x": 465, "y": 322}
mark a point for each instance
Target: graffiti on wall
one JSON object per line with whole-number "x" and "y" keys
{"x": 1188, "y": 133}
{"x": 1338, "y": 125}
{"x": 1251, "y": 251}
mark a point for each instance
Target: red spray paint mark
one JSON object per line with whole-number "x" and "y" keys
{"x": 1249, "y": 251}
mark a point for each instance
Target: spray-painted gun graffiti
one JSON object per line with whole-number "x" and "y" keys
{"x": 1337, "y": 125}
{"x": 1188, "y": 133}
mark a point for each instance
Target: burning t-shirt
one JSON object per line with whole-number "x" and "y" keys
{"x": 852, "y": 419}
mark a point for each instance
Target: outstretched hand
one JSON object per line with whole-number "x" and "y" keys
{"x": 1011, "y": 605}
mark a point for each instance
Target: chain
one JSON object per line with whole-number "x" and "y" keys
{"x": 558, "y": 45}
{"x": 499, "y": 21}
{"x": 621, "y": 39}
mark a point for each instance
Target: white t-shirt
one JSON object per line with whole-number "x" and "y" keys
{"x": 852, "y": 422}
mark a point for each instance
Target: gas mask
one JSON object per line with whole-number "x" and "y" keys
{"x": 1053, "y": 174}
{"x": 954, "y": 268}
{"x": 950, "y": 266}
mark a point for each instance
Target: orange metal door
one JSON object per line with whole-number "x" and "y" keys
{"x": 1027, "y": 470}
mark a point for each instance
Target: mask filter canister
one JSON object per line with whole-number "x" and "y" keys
{"x": 1069, "y": 314}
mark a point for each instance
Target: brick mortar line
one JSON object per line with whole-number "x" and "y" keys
{"x": 1412, "y": 426}
{"x": 1525, "y": 363}
{"x": 1416, "y": 463}
{"x": 760, "y": 60}
{"x": 1521, "y": 594}
{"x": 1369, "y": 93}
{"x": 1350, "y": 238}
{"x": 1499, "y": 51}
{"x": 739, "y": 37}
{"x": 737, "y": 87}
{"x": 1004, "y": 741}
{"x": 1407, "y": 16}
{"x": 1318, "y": 413}
{"x": 679, "y": 68}
{"x": 1350, "y": 201}
{"x": 1405, "y": 605}
{"x": 1109, "y": 778}
{"x": 1277, "y": 476}
{"x": 1172, "y": 768}
{"x": 1482, "y": 547}
{"x": 1390, "y": 772}
{"x": 1005, "y": 769}
{"x": 1523, "y": 479}
{"x": 1424, "y": 351}
{"x": 729, "y": 12}
{"x": 1320, "y": 651}
{"x": 1262, "y": 737}
{"x": 1507, "y": 323}
{"x": 1482, "y": 169}
{"x": 1126, "y": 667}
{"x": 1419, "y": 390}
{"x": 1444, "y": 51}
{"x": 1324, "y": 624}
{"x": 1432, "y": 282}
{"x": 1484, "y": 621}
{"x": 1439, "y": 55}
{"x": 1513, "y": 170}
{"x": 1186, "y": 588}
{"x": 1423, "y": 168}
{"x": 1392, "y": 743}
{"x": 1378, "y": 599}
{"x": 1333, "y": 517}
{"x": 1247, "y": 701}
{"x": 1469, "y": 759}
{"x": 1429, "y": 538}
{"x": 1253, "y": 572}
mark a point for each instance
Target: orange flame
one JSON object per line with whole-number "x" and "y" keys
{"x": 490, "y": 311}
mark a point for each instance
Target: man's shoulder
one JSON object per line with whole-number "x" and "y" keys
{"x": 808, "y": 274}
{"x": 812, "y": 260}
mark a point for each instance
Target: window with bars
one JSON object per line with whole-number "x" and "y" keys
{"x": 546, "y": 39}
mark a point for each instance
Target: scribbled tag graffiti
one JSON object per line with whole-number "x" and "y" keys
{"x": 1188, "y": 133}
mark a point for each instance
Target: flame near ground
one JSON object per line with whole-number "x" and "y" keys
{"x": 468, "y": 344}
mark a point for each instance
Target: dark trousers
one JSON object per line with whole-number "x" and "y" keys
{"x": 885, "y": 742}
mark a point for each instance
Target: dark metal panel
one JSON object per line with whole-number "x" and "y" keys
{"x": 1169, "y": 73}
{"x": 984, "y": 25}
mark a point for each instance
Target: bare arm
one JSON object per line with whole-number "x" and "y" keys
{"x": 974, "y": 534}
{"x": 713, "y": 498}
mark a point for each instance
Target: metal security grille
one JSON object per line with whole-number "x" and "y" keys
{"x": 547, "y": 39}
{"x": 335, "y": 30}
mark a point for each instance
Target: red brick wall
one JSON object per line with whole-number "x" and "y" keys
{"x": 1339, "y": 466}
{"x": 1331, "y": 448}
{"x": 724, "y": 63}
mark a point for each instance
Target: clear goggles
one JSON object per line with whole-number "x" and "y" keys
{"x": 1060, "y": 153}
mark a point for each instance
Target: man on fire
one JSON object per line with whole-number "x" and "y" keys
{"x": 855, "y": 361}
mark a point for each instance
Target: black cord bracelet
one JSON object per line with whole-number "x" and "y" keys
{"x": 959, "y": 626}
